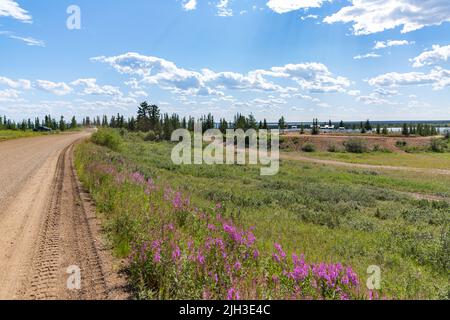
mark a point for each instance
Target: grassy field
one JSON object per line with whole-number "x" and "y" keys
{"x": 413, "y": 160}
{"x": 332, "y": 215}
{"x": 14, "y": 134}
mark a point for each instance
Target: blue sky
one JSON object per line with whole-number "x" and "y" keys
{"x": 331, "y": 59}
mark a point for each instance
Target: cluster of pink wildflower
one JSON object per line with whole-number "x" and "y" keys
{"x": 207, "y": 256}
{"x": 322, "y": 281}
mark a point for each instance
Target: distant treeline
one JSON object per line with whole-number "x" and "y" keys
{"x": 149, "y": 119}
{"x": 47, "y": 121}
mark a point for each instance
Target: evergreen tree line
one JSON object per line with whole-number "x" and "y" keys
{"x": 47, "y": 121}
{"x": 150, "y": 119}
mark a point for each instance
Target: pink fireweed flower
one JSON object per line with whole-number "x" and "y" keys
{"x": 352, "y": 276}
{"x": 233, "y": 294}
{"x": 237, "y": 266}
{"x": 344, "y": 297}
{"x": 143, "y": 253}
{"x": 138, "y": 178}
{"x": 156, "y": 244}
{"x": 255, "y": 254}
{"x": 187, "y": 202}
{"x": 281, "y": 253}
{"x": 201, "y": 258}
{"x": 206, "y": 295}
{"x": 157, "y": 257}
{"x": 156, "y": 248}
{"x": 276, "y": 258}
{"x": 177, "y": 201}
{"x": 211, "y": 227}
{"x": 275, "y": 279}
{"x": 235, "y": 235}
{"x": 300, "y": 272}
{"x": 167, "y": 193}
{"x": 176, "y": 253}
{"x": 250, "y": 239}
{"x": 150, "y": 186}
{"x": 220, "y": 243}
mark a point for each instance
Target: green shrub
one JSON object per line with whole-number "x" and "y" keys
{"x": 332, "y": 148}
{"x": 309, "y": 147}
{"x": 438, "y": 145}
{"x": 355, "y": 146}
{"x": 378, "y": 148}
{"x": 151, "y": 136}
{"x": 108, "y": 138}
{"x": 401, "y": 144}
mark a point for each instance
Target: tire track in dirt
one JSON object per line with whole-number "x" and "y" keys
{"x": 52, "y": 228}
{"x": 67, "y": 239}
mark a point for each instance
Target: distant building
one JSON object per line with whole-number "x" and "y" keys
{"x": 327, "y": 127}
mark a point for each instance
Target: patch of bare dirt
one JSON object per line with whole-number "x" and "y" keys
{"x": 295, "y": 141}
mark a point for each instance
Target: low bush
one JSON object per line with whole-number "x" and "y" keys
{"x": 151, "y": 136}
{"x": 308, "y": 147}
{"x": 438, "y": 145}
{"x": 378, "y": 148}
{"x": 332, "y": 148}
{"x": 108, "y": 138}
{"x": 355, "y": 146}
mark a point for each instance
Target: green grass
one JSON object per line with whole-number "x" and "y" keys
{"x": 413, "y": 160}
{"x": 332, "y": 214}
{"x": 14, "y": 134}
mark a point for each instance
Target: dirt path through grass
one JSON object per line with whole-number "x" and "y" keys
{"x": 298, "y": 157}
{"x": 415, "y": 195}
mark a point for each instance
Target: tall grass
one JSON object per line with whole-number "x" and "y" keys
{"x": 14, "y": 134}
{"x": 331, "y": 215}
{"x": 178, "y": 251}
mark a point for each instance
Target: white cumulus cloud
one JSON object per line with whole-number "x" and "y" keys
{"x": 9, "y": 95}
{"x": 372, "y": 16}
{"x": 432, "y": 57}
{"x": 366, "y": 56}
{"x": 311, "y": 77}
{"x": 15, "y": 84}
{"x": 57, "y": 88}
{"x": 90, "y": 87}
{"x": 189, "y": 5}
{"x": 284, "y": 6}
{"x": 438, "y": 78}
{"x": 10, "y": 8}
{"x": 223, "y": 8}
{"x": 391, "y": 43}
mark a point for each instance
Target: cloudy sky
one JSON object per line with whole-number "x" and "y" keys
{"x": 331, "y": 59}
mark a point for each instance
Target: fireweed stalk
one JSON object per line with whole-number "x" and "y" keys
{"x": 178, "y": 251}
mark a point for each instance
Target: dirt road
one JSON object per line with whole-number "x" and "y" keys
{"x": 48, "y": 229}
